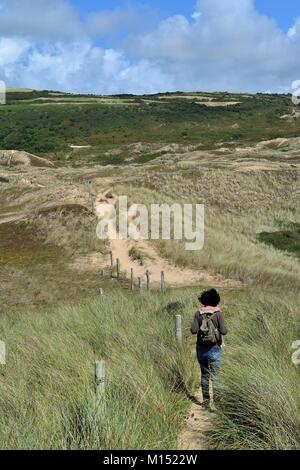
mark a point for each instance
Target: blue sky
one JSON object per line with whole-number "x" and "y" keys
{"x": 120, "y": 46}
{"x": 283, "y": 11}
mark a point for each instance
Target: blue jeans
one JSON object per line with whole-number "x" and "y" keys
{"x": 210, "y": 362}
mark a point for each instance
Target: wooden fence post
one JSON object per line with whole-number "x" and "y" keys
{"x": 140, "y": 284}
{"x": 179, "y": 328}
{"x": 101, "y": 292}
{"x": 162, "y": 281}
{"x": 131, "y": 279}
{"x": 2, "y": 353}
{"x": 92, "y": 203}
{"x": 88, "y": 185}
{"x": 111, "y": 259}
{"x": 99, "y": 384}
{"x": 148, "y": 280}
{"x": 118, "y": 268}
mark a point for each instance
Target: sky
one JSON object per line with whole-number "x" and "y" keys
{"x": 149, "y": 46}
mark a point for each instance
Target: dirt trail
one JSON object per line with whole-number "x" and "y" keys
{"x": 199, "y": 420}
{"x": 198, "y": 423}
{"x": 153, "y": 263}
{"x": 126, "y": 250}
{"x": 11, "y": 217}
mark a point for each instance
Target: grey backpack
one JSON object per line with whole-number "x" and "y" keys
{"x": 208, "y": 333}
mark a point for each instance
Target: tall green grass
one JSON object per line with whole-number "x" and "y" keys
{"x": 46, "y": 388}
{"x": 260, "y": 384}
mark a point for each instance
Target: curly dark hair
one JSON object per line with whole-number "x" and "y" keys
{"x": 210, "y": 298}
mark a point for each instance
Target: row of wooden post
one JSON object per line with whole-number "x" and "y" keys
{"x": 140, "y": 279}
{"x": 100, "y": 370}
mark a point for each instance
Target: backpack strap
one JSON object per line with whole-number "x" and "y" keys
{"x": 211, "y": 315}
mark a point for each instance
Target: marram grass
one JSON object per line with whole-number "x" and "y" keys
{"x": 46, "y": 388}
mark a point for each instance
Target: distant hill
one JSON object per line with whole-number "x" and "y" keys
{"x": 45, "y": 122}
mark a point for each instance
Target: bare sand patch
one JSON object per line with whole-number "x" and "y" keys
{"x": 16, "y": 157}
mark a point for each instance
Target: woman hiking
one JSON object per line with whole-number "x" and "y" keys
{"x": 209, "y": 326}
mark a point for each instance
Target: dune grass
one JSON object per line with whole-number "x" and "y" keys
{"x": 260, "y": 384}
{"x": 231, "y": 247}
{"x": 46, "y": 388}
{"x": 75, "y": 233}
{"x": 286, "y": 240}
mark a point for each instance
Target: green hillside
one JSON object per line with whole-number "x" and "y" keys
{"x": 45, "y": 123}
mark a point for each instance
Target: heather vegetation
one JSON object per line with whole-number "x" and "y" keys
{"x": 44, "y": 123}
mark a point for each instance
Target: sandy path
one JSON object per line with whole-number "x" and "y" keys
{"x": 11, "y": 217}
{"x": 199, "y": 420}
{"x": 154, "y": 264}
{"x": 198, "y": 424}
{"x": 152, "y": 261}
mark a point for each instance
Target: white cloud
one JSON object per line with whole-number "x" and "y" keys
{"x": 225, "y": 45}
{"x": 77, "y": 67}
{"x": 196, "y": 15}
{"x": 112, "y": 22}
{"x": 12, "y": 50}
{"x": 39, "y": 19}
{"x": 294, "y": 31}
{"x": 230, "y": 46}
{"x": 146, "y": 77}
{"x": 81, "y": 67}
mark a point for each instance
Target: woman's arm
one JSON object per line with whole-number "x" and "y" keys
{"x": 222, "y": 325}
{"x": 196, "y": 324}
